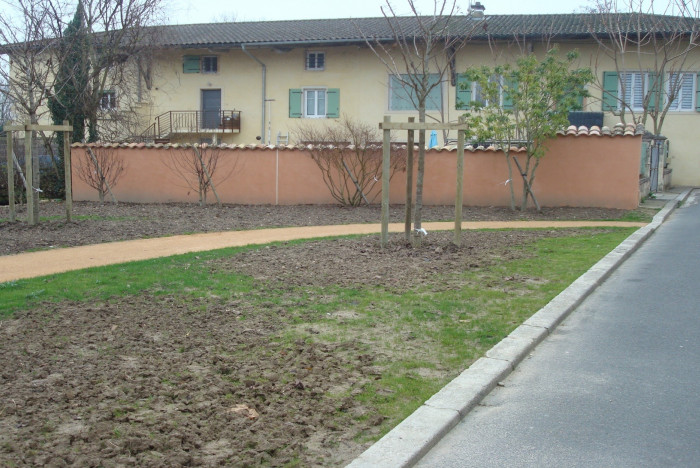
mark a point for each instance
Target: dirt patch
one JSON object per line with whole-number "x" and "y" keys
{"x": 354, "y": 262}
{"x": 95, "y": 223}
{"x": 181, "y": 380}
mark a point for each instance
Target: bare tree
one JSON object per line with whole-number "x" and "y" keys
{"x": 200, "y": 168}
{"x": 650, "y": 45}
{"x": 29, "y": 32}
{"x": 119, "y": 46}
{"x": 349, "y": 155}
{"x": 100, "y": 169}
{"x": 419, "y": 56}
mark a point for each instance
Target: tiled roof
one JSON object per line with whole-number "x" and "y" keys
{"x": 619, "y": 130}
{"x": 349, "y": 30}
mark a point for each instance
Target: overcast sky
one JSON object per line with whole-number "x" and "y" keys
{"x": 204, "y": 11}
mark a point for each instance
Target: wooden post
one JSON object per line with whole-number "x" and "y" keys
{"x": 460, "y": 182}
{"x": 67, "y": 173}
{"x": 386, "y": 162}
{"x": 29, "y": 174}
{"x": 409, "y": 181}
{"x": 11, "y": 178}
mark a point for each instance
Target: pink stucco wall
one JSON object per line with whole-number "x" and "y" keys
{"x": 600, "y": 171}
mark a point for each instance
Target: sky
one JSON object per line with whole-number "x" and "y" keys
{"x": 205, "y": 11}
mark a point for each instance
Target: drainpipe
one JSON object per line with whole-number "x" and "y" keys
{"x": 264, "y": 91}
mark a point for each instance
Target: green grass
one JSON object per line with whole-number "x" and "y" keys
{"x": 641, "y": 215}
{"x": 420, "y": 338}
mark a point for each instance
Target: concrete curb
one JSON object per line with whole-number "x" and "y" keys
{"x": 408, "y": 442}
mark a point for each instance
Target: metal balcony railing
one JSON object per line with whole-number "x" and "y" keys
{"x": 192, "y": 122}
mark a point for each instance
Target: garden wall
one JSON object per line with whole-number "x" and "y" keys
{"x": 583, "y": 169}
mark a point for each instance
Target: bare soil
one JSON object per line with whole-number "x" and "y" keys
{"x": 161, "y": 380}
{"x": 95, "y": 223}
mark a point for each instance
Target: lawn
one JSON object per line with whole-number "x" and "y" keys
{"x": 300, "y": 353}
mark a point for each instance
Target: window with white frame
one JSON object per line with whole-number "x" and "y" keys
{"x": 632, "y": 89}
{"x": 681, "y": 87}
{"x": 402, "y": 96}
{"x": 314, "y": 103}
{"x": 315, "y": 60}
{"x": 477, "y": 92}
{"x": 108, "y": 100}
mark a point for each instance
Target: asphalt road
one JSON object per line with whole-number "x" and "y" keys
{"x": 616, "y": 385}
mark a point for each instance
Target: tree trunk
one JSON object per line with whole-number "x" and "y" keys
{"x": 418, "y": 212}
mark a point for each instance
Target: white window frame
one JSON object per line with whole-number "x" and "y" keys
{"x": 108, "y": 100}
{"x": 630, "y": 91}
{"x": 205, "y": 64}
{"x": 314, "y": 113}
{"x": 682, "y": 92}
{"x": 476, "y": 91}
{"x": 316, "y": 54}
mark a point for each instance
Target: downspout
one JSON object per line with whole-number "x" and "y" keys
{"x": 264, "y": 91}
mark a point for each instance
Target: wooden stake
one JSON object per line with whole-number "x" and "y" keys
{"x": 67, "y": 173}
{"x": 11, "y": 178}
{"x": 460, "y": 182}
{"x": 386, "y": 162}
{"x": 409, "y": 181}
{"x": 29, "y": 173}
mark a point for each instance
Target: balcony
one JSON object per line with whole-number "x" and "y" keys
{"x": 174, "y": 123}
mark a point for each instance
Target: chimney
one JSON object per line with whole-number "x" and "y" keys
{"x": 477, "y": 10}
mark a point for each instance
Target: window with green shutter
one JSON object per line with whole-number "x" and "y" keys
{"x": 610, "y": 87}
{"x": 314, "y": 103}
{"x": 333, "y": 103}
{"x": 509, "y": 84}
{"x": 295, "y": 96}
{"x": 463, "y": 93}
{"x": 190, "y": 64}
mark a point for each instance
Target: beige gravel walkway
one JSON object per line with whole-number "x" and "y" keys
{"x": 34, "y": 264}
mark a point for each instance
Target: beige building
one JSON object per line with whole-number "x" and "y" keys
{"x": 261, "y": 82}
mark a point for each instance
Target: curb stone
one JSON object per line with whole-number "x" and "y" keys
{"x": 408, "y": 442}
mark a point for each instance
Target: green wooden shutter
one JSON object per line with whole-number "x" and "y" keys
{"x": 190, "y": 64}
{"x": 610, "y": 84}
{"x": 295, "y": 96}
{"x": 333, "y": 103}
{"x": 508, "y": 84}
{"x": 579, "y": 102}
{"x": 463, "y": 93}
{"x": 697, "y": 93}
{"x": 656, "y": 90}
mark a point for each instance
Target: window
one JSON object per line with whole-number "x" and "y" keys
{"x": 468, "y": 92}
{"x": 314, "y": 103}
{"x": 402, "y": 97}
{"x": 682, "y": 87}
{"x": 108, "y": 100}
{"x": 477, "y": 95}
{"x": 197, "y": 64}
{"x": 633, "y": 88}
{"x": 210, "y": 64}
{"x": 315, "y": 60}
